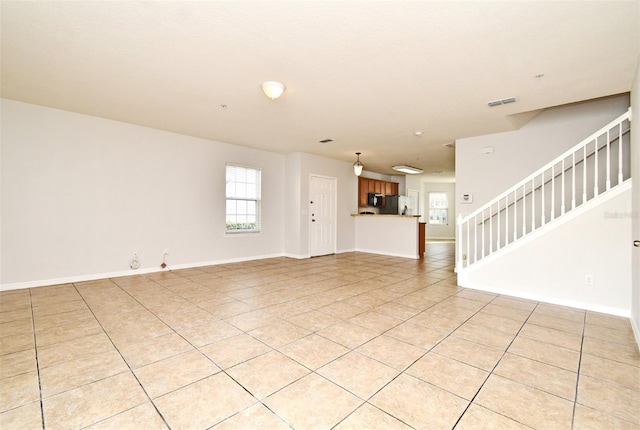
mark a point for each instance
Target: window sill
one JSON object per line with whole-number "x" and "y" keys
{"x": 242, "y": 232}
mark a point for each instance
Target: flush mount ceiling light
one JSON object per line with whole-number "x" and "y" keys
{"x": 357, "y": 166}
{"x": 273, "y": 89}
{"x": 407, "y": 169}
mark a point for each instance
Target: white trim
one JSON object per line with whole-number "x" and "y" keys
{"x": 551, "y": 300}
{"x": 345, "y": 251}
{"x": 636, "y": 332}
{"x": 390, "y": 254}
{"x": 143, "y": 271}
{"x": 296, "y": 256}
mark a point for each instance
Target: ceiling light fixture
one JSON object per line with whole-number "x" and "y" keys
{"x": 407, "y": 169}
{"x": 273, "y": 89}
{"x": 506, "y": 101}
{"x": 357, "y": 166}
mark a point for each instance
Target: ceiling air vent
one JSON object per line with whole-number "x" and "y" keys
{"x": 495, "y": 103}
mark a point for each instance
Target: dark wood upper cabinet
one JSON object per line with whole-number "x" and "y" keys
{"x": 367, "y": 185}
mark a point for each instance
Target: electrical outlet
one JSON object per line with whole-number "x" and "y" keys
{"x": 588, "y": 279}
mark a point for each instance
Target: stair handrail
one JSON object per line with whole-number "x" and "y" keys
{"x": 558, "y": 159}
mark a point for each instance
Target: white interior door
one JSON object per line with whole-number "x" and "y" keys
{"x": 322, "y": 219}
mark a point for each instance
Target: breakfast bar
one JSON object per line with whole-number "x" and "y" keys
{"x": 394, "y": 235}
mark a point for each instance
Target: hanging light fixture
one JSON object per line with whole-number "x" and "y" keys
{"x": 273, "y": 89}
{"x": 357, "y": 166}
{"x": 407, "y": 169}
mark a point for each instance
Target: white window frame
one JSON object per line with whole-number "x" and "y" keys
{"x": 243, "y": 189}
{"x": 438, "y": 211}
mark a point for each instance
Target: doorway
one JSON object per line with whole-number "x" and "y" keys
{"x": 322, "y": 220}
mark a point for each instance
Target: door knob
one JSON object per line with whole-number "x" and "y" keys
{"x": 636, "y": 243}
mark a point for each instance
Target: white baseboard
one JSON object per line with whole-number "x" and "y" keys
{"x": 147, "y": 270}
{"x": 296, "y": 256}
{"x": 390, "y": 254}
{"x": 551, "y": 300}
{"x": 130, "y": 272}
{"x": 344, "y": 251}
{"x": 636, "y": 332}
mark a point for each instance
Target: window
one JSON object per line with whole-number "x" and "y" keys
{"x": 438, "y": 209}
{"x": 243, "y": 199}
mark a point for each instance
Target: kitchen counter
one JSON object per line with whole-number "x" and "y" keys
{"x": 395, "y": 235}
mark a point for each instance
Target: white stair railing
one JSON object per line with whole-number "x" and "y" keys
{"x": 596, "y": 165}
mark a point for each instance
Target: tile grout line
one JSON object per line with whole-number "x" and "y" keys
{"x": 575, "y": 396}
{"x": 35, "y": 349}
{"x": 123, "y": 359}
{"x": 495, "y": 366}
{"x": 258, "y": 401}
{"x": 367, "y": 401}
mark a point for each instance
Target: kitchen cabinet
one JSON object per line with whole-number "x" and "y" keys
{"x": 363, "y": 191}
{"x": 367, "y": 185}
{"x": 388, "y": 189}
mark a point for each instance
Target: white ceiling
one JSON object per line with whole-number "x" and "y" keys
{"x": 366, "y": 74}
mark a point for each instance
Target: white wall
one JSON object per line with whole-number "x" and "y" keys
{"x": 518, "y": 153}
{"x": 552, "y": 267}
{"x": 80, "y": 194}
{"x": 635, "y": 174}
{"x": 292, "y": 215}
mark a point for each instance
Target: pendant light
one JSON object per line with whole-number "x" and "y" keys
{"x": 357, "y": 166}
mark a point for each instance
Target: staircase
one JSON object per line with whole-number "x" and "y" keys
{"x": 596, "y": 166}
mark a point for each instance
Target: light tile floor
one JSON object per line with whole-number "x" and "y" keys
{"x": 351, "y": 341}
